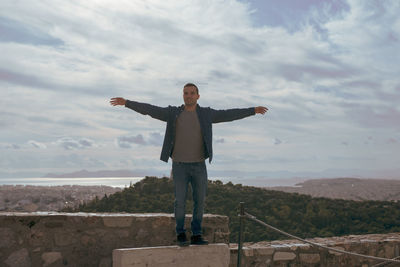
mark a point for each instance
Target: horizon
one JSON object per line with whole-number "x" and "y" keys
{"x": 326, "y": 70}
{"x": 121, "y": 179}
{"x": 215, "y": 173}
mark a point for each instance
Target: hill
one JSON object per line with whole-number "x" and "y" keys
{"x": 301, "y": 215}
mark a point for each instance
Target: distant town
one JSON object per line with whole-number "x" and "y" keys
{"x": 30, "y": 198}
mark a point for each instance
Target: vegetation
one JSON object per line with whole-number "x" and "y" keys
{"x": 297, "y": 214}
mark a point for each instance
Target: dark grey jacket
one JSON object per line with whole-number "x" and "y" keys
{"x": 207, "y": 116}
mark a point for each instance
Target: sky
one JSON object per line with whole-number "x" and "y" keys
{"x": 327, "y": 70}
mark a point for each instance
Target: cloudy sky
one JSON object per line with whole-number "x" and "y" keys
{"x": 327, "y": 70}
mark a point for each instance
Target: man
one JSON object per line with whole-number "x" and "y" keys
{"x": 188, "y": 141}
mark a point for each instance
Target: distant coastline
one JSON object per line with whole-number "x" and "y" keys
{"x": 95, "y": 174}
{"x": 126, "y": 181}
{"x": 342, "y": 188}
{"x": 120, "y": 182}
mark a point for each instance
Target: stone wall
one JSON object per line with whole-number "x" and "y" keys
{"x": 296, "y": 254}
{"x": 87, "y": 239}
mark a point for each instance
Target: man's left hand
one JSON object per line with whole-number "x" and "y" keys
{"x": 261, "y": 110}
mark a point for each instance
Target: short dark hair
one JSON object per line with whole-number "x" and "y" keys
{"x": 191, "y": 84}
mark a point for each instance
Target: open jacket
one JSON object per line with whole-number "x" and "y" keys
{"x": 207, "y": 116}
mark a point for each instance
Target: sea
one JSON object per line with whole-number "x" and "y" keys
{"x": 123, "y": 182}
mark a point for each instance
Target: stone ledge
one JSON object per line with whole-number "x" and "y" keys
{"x": 97, "y": 214}
{"x": 213, "y": 255}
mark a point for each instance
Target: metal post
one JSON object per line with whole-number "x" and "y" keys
{"x": 241, "y": 225}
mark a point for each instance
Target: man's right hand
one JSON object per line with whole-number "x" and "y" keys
{"x": 117, "y": 101}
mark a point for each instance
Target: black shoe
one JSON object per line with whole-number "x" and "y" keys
{"x": 182, "y": 240}
{"x": 198, "y": 240}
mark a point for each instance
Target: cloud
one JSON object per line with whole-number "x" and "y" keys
{"x": 127, "y": 141}
{"x": 36, "y": 144}
{"x": 14, "y": 31}
{"x": 293, "y": 15}
{"x": 277, "y": 141}
{"x": 295, "y": 72}
{"x": 391, "y": 141}
{"x": 219, "y": 140}
{"x": 373, "y": 116}
{"x": 9, "y": 146}
{"x": 37, "y": 80}
{"x": 154, "y": 139}
{"x": 22, "y": 79}
{"x": 69, "y": 143}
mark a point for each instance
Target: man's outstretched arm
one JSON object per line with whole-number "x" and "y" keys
{"x": 236, "y": 113}
{"x": 143, "y": 108}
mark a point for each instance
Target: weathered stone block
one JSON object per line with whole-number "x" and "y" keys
{"x": 64, "y": 239}
{"x": 265, "y": 251}
{"x": 221, "y": 237}
{"x": 117, "y": 221}
{"x": 305, "y": 247}
{"x": 284, "y": 256}
{"x": 19, "y": 258}
{"x": 50, "y": 257}
{"x": 248, "y": 252}
{"x": 142, "y": 233}
{"x": 36, "y": 237}
{"x": 7, "y": 237}
{"x": 87, "y": 240}
{"x": 310, "y": 258}
{"x": 389, "y": 251}
{"x": 91, "y": 220}
{"x": 96, "y": 232}
{"x": 122, "y": 233}
{"x": 54, "y": 224}
{"x": 162, "y": 222}
{"x": 213, "y": 255}
{"x": 336, "y": 253}
{"x": 105, "y": 262}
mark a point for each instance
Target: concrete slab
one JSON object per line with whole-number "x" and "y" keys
{"x": 213, "y": 255}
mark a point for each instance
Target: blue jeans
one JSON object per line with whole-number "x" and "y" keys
{"x": 196, "y": 174}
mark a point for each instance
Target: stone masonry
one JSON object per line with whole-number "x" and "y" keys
{"x": 296, "y": 254}
{"x": 88, "y": 239}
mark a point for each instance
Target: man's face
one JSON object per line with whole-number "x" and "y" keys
{"x": 190, "y": 95}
